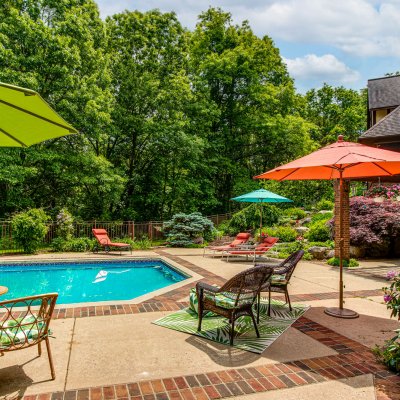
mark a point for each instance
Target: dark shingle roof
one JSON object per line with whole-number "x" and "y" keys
{"x": 384, "y": 92}
{"x": 387, "y": 126}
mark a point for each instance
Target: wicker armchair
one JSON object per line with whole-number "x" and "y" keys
{"x": 235, "y": 298}
{"x": 24, "y": 322}
{"x": 284, "y": 270}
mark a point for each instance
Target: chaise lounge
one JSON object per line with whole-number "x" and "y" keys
{"x": 104, "y": 241}
{"x": 253, "y": 251}
{"x": 240, "y": 239}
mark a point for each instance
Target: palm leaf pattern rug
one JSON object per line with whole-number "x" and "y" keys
{"x": 217, "y": 328}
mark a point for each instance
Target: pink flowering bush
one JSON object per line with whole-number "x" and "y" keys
{"x": 389, "y": 353}
{"x": 388, "y": 192}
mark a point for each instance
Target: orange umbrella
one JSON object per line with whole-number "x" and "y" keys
{"x": 341, "y": 160}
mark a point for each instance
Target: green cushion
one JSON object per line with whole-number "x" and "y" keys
{"x": 278, "y": 280}
{"x": 11, "y": 334}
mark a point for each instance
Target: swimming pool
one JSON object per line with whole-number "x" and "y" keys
{"x": 88, "y": 281}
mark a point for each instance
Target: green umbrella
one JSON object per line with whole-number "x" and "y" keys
{"x": 261, "y": 196}
{"x": 27, "y": 119}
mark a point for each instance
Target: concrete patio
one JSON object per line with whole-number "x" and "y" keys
{"x": 124, "y": 355}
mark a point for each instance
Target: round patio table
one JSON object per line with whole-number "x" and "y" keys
{"x": 3, "y": 290}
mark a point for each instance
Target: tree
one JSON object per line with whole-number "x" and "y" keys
{"x": 336, "y": 111}
{"x": 57, "y": 48}
{"x": 250, "y": 122}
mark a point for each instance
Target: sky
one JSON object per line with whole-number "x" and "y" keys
{"x": 340, "y": 42}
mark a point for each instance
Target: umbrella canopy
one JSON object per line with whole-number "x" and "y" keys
{"x": 341, "y": 160}
{"x": 27, "y": 119}
{"x": 353, "y": 160}
{"x": 261, "y": 196}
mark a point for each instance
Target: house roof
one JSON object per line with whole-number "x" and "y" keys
{"x": 384, "y": 92}
{"x": 387, "y": 127}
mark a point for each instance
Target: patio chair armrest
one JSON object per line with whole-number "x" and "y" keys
{"x": 205, "y": 286}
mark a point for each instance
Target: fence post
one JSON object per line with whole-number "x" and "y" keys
{"x": 95, "y": 224}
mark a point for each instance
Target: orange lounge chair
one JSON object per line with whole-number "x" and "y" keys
{"x": 241, "y": 238}
{"x": 105, "y": 242}
{"x": 258, "y": 250}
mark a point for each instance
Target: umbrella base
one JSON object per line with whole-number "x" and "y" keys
{"x": 341, "y": 312}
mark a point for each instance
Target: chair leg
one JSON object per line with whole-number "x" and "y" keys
{"x": 269, "y": 302}
{"x": 258, "y": 307}
{"x": 39, "y": 349}
{"x": 232, "y": 329}
{"x": 199, "y": 310}
{"x": 255, "y": 324}
{"x": 53, "y": 374}
{"x": 288, "y": 298}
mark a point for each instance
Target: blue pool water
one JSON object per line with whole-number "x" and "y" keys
{"x": 93, "y": 281}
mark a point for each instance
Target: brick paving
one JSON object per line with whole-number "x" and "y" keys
{"x": 352, "y": 359}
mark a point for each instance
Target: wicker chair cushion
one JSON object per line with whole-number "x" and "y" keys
{"x": 278, "y": 280}
{"x": 23, "y": 329}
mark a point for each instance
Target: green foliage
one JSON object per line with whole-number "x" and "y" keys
{"x": 303, "y": 193}
{"x": 82, "y": 244}
{"x": 325, "y": 205}
{"x": 64, "y": 224}
{"x": 169, "y": 120}
{"x": 184, "y": 229}
{"x": 389, "y": 353}
{"x": 334, "y": 261}
{"x": 295, "y": 213}
{"x": 335, "y": 111}
{"x": 249, "y": 218}
{"x": 29, "y": 229}
{"x": 319, "y": 231}
{"x": 321, "y": 217}
{"x": 284, "y": 233}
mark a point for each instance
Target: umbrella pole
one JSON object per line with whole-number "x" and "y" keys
{"x": 261, "y": 210}
{"x": 341, "y": 312}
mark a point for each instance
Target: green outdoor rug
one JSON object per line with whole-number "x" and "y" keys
{"x": 217, "y": 328}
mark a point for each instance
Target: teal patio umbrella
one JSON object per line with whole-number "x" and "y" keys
{"x": 26, "y": 119}
{"x": 261, "y": 196}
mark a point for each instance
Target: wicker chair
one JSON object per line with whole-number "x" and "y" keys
{"x": 24, "y": 322}
{"x": 285, "y": 269}
{"x": 235, "y": 298}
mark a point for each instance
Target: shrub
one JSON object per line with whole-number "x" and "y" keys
{"x": 321, "y": 217}
{"x": 319, "y": 232}
{"x": 64, "y": 224}
{"x": 249, "y": 218}
{"x": 183, "y": 229}
{"x": 29, "y": 229}
{"x": 295, "y": 213}
{"x": 334, "y": 261}
{"x": 73, "y": 245}
{"x": 284, "y": 233}
{"x": 389, "y": 353}
{"x": 325, "y": 205}
{"x": 375, "y": 226}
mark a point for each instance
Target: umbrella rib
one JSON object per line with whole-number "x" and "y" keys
{"x": 383, "y": 169}
{"x": 37, "y": 116}
{"x": 13, "y": 138}
{"x": 290, "y": 173}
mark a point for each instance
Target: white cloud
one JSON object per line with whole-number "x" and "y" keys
{"x": 326, "y": 68}
{"x": 357, "y": 27}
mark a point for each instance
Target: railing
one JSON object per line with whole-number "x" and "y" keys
{"x": 152, "y": 230}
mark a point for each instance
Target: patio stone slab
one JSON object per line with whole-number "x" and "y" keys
{"x": 23, "y": 372}
{"x": 374, "y": 325}
{"x": 357, "y": 388}
{"x": 125, "y": 348}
